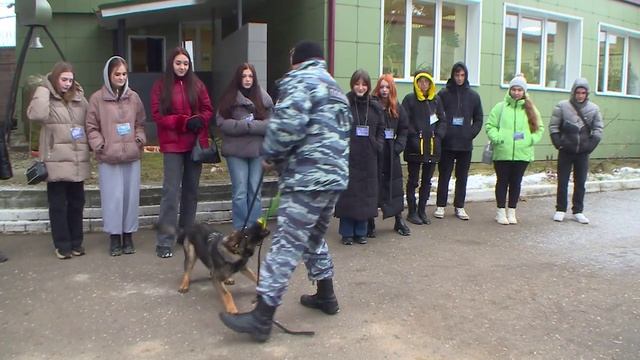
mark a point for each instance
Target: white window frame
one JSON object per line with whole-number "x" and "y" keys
{"x": 164, "y": 47}
{"x": 472, "y": 40}
{"x": 574, "y": 44}
{"x": 626, "y": 34}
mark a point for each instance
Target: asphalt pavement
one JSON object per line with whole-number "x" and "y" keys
{"x": 452, "y": 290}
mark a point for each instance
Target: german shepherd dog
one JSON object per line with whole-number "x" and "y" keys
{"x": 222, "y": 255}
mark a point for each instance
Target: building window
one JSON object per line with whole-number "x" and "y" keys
{"x": 430, "y": 35}
{"x": 539, "y": 45}
{"x": 618, "y": 61}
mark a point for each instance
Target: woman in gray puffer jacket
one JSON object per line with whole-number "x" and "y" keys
{"x": 576, "y": 129}
{"x": 243, "y": 115}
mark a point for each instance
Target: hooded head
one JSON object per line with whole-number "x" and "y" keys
{"x": 306, "y": 50}
{"x": 580, "y": 83}
{"x": 457, "y": 67}
{"x": 431, "y": 90}
{"x": 112, "y": 65}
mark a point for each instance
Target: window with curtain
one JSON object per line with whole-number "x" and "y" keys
{"x": 430, "y": 35}
{"x": 538, "y": 45}
{"x": 619, "y": 61}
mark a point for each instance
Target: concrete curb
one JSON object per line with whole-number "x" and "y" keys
{"x": 36, "y": 220}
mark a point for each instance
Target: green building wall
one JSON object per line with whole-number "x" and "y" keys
{"x": 357, "y": 44}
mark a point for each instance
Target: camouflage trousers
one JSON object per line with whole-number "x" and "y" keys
{"x": 303, "y": 218}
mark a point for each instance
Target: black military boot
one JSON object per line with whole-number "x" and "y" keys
{"x": 371, "y": 228}
{"x": 324, "y": 299}
{"x": 401, "y": 227}
{"x": 256, "y": 323}
{"x": 115, "y": 248}
{"x": 127, "y": 244}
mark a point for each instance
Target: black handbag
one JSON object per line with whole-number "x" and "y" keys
{"x": 209, "y": 155}
{"x": 36, "y": 173}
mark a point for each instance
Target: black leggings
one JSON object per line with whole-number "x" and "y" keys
{"x": 509, "y": 178}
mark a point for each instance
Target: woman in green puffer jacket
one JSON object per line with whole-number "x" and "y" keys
{"x": 514, "y": 127}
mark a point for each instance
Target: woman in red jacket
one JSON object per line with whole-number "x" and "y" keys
{"x": 181, "y": 108}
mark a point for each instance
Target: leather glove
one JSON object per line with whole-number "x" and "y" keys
{"x": 195, "y": 123}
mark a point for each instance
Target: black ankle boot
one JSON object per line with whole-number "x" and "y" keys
{"x": 422, "y": 214}
{"x": 115, "y": 248}
{"x": 324, "y": 299}
{"x": 371, "y": 228}
{"x": 127, "y": 244}
{"x": 413, "y": 218}
{"x": 256, "y": 323}
{"x": 401, "y": 227}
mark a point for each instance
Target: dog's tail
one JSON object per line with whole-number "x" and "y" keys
{"x": 171, "y": 230}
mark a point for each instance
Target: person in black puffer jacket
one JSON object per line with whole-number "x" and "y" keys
{"x": 575, "y": 136}
{"x": 427, "y": 128}
{"x": 464, "y": 121}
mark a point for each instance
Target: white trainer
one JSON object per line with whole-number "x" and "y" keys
{"x": 581, "y": 218}
{"x": 558, "y": 216}
{"x": 501, "y": 216}
{"x": 461, "y": 214}
{"x": 511, "y": 216}
{"x": 439, "y": 213}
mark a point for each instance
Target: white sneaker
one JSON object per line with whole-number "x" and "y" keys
{"x": 501, "y": 216}
{"x": 439, "y": 213}
{"x": 558, "y": 216}
{"x": 581, "y": 218}
{"x": 461, "y": 214}
{"x": 511, "y": 216}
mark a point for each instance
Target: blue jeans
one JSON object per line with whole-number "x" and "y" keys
{"x": 352, "y": 228}
{"x": 245, "y": 176}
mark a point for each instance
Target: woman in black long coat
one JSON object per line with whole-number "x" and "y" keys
{"x": 427, "y": 128}
{"x": 396, "y": 124}
{"x": 360, "y": 201}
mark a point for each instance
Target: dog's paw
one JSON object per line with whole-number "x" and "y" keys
{"x": 229, "y": 281}
{"x": 183, "y": 290}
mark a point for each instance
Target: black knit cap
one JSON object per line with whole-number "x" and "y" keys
{"x": 306, "y": 50}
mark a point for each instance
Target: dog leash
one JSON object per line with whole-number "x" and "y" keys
{"x": 263, "y": 223}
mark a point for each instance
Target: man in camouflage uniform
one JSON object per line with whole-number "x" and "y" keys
{"x": 307, "y": 139}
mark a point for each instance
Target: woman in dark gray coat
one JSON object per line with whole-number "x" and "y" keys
{"x": 242, "y": 117}
{"x": 360, "y": 201}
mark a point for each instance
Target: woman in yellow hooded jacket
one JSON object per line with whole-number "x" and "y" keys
{"x": 427, "y": 128}
{"x": 514, "y": 127}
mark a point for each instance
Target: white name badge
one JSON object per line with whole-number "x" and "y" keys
{"x": 433, "y": 119}
{"x": 518, "y": 135}
{"x": 123, "y": 129}
{"x": 77, "y": 133}
{"x": 457, "y": 121}
{"x": 362, "y": 130}
{"x": 389, "y": 134}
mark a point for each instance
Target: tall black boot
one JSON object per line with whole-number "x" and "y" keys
{"x": 401, "y": 227}
{"x": 324, "y": 299}
{"x": 412, "y": 217}
{"x": 115, "y": 247}
{"x": 256, "y": 323}
{"x": 127, "y": 244}
{"x": 422, "y": 213}
{"x": 371, "y": 228}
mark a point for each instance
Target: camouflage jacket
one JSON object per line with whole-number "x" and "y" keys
{"x": 308, "y": 134}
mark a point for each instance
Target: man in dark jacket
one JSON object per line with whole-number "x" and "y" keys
{"x": 463, "y": 110}
{"x": 308, "y": 138}
{"x": 576, "y": 129}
